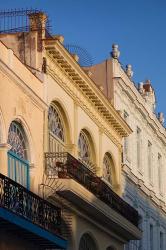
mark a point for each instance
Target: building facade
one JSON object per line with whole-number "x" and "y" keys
{"x": 62, "y": 140}
{"x": 144, "y": 151}
{"x": 26, "y": 220}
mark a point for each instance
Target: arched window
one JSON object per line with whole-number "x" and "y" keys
{"x": 84, "y": 147}
{"x": 56, "y": 129}
{"x": 87, "y": 243}
{"x": 85, "y": 150}
{"x": 18, "y": 165}
{"x": 55, "y": 122}
{"x": 107, "y": 168}
{"x": 17, "y": 140}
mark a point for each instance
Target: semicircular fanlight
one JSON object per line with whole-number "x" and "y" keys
{"x": 84, "y": 147}
{"x": 17, "y": 140}
{"x": 55, "y": 123}
{"x": 107, "y": 168}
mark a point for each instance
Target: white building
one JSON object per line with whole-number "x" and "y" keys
{"x": 144, "y": 154}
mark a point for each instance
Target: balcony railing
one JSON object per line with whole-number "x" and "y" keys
{"x": 64, "y": 165}
{"x": 18, "y": 200}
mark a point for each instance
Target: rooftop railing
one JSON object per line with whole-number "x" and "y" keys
{"x": 64, "y": 165}
{"x": 22, "y": 202}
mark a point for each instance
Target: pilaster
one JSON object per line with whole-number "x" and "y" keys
{"x": 100, "y": 163}
{"x": 75, "y": 148}
{"x": 4, "y": 148}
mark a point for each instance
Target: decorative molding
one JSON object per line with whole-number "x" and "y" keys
{"x": 141, "y": 186}
{"x": 79, "y": 78}
{"x": 82, "y": 101}
{"x": 139, "y": 104}
{"x": 5, "y": 146}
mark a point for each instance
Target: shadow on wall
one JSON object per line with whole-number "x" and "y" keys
{"x": 91, "y": 237}
{"x": 130, "y": 195}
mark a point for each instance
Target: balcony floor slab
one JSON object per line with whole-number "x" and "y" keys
{"x": 84, "y": 200}
{"x": 30, "y": 231}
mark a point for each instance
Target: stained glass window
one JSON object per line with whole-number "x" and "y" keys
{"x": 55, "y": 123}
{"x": 16, "y": 138}
{"x": 107, "y": 165}
{"x": 84, "y": 147}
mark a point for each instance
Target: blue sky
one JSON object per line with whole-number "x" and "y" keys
{"x": 137, "y": 26}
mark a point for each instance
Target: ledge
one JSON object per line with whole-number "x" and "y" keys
{"x": 98, "y": 210}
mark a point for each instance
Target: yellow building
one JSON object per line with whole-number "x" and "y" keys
{"x": 62, "y": 139}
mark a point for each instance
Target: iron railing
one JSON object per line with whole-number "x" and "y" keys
{"x": 17, "y": 20}
{"x": 64, "y": 165}
{"x": 24, "y": 203}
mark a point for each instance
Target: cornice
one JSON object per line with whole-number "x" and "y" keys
{"x": 55, "y": 72}
{"x": 81, "y": 80}
{"x": 139, "y": 105}
{"x": 141, "y": 186}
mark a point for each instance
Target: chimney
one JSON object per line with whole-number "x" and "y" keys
{"x": 38, "y": 22}
{"x": 147, "y": 86}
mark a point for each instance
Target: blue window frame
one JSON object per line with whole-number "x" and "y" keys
{"x": 18, "y": 165}
{"x": 18, "y": 169}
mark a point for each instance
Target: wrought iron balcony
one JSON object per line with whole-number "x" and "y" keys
{"x": 22, "y": 202}
{"x": 64, "y": 165}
